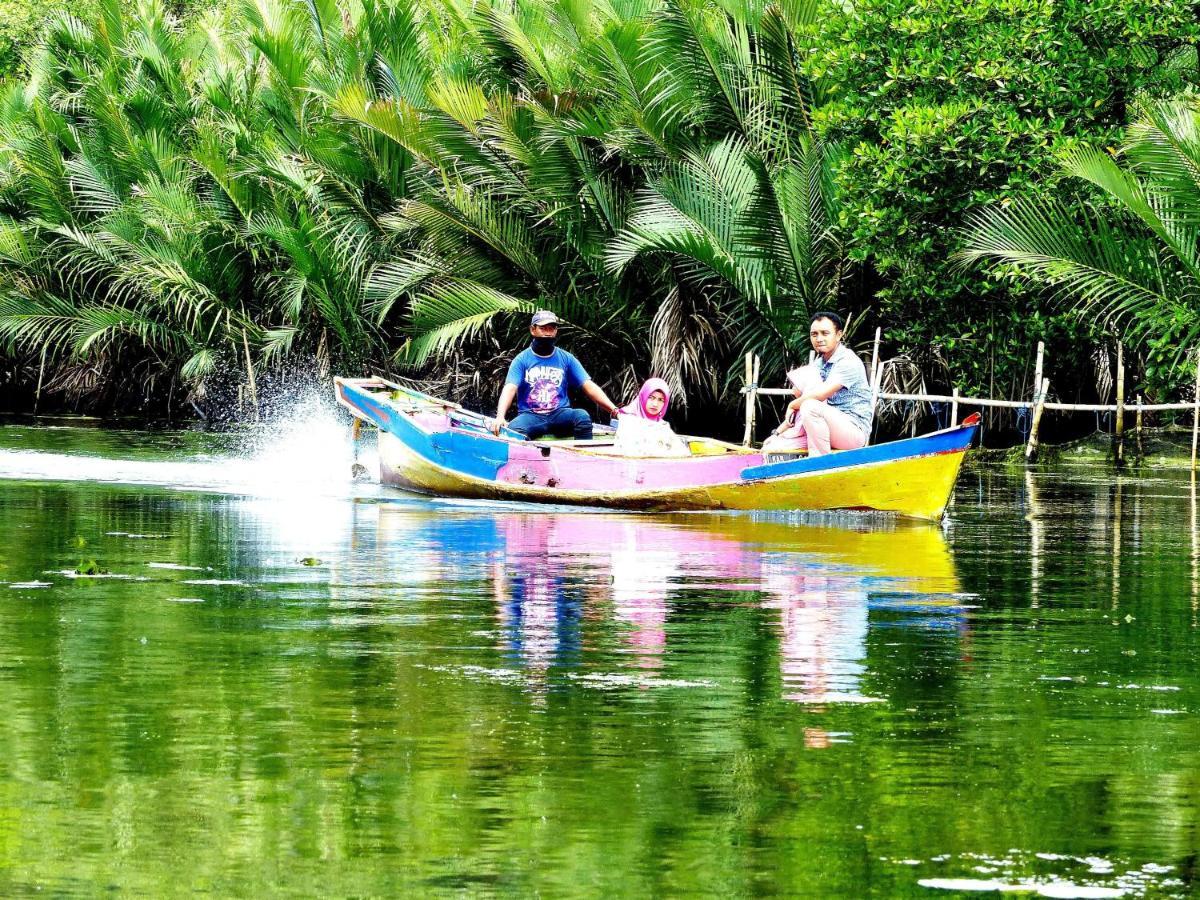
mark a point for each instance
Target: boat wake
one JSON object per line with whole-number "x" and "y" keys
{"x": 308, "y": 453}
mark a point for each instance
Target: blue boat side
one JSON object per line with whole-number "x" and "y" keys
{"x": 478, "y": 455}
{"x": 952, "y": 440}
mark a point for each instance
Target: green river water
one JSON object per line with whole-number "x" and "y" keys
{"x": 291, "y": 684}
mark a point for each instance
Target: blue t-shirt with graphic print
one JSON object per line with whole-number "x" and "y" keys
{"x": 543, "y": 381}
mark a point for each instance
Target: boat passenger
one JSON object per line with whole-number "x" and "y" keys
{"x": 538, "y": 379}
{"x": 642, "y": 428}
{"x": 832, "y": 409}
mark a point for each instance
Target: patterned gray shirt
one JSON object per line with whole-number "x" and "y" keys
{"x": 854, "y": 399}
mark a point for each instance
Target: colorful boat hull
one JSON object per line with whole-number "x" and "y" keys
{"x": 433, "y": 447}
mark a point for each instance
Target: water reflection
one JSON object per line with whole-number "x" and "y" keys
{"x": 1195, "y": 541}
{"x": 461, "y": 699}
{"x": 1116, "y": 543}
{"x": 554, "y": 575}
{"x": 1036, "y": 538}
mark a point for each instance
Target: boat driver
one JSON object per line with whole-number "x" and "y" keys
{"x": 539, "y": 378}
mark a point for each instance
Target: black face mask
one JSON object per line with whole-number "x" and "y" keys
{"x": 544, "y": 346}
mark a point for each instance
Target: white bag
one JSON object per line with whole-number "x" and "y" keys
{"x": 645, "y": 437}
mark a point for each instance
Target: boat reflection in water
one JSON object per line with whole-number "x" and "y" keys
{"x": 580, "y": 591}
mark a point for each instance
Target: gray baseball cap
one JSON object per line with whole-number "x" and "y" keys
{"x": 544, "y": 317}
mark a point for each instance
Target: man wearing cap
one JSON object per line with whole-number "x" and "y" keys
{"x": 539, "y": 378}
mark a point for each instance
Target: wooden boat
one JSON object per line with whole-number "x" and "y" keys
{"x": 435, "y": 447}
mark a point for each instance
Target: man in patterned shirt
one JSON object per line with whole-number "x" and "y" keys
{"x": 832, "y": 409}
{"x": 539, "y": 379}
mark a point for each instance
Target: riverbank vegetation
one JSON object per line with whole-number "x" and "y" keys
{"x": 188, "y": 193}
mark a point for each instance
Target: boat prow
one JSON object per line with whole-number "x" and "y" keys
{"x": 436, "y": 447}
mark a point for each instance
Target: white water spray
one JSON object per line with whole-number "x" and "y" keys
{"x": 304, "y": 450}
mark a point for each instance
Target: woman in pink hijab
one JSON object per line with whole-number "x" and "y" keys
{"x": 652, "y": 401}
{"x": 641, "y": 429}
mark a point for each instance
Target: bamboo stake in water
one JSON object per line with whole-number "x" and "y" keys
{"x": 954, "y": 408}
{"x": 876, "y": 375}
{"x": 749, "y": 400}
{"x": 1137, "y": 428}
{"x": 1039, "y": 405}
{"x": 250, "y": 375}
{"x": 1120, "y": 425}
{"x": 754, "y": 396}
{"x": 875, "y": 359}
{"x": 1039, "y": 399}
{"x": 1037, "y": 367}
{"x": 1196, "y": 411}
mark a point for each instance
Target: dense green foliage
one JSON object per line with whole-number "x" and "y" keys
{"x": 346, "y": 183}
{"x": 20, "y": 21}
{"x": 397, "y": 183}
{"x": 1140, "y": 270}
{"x": 948, "y": 106}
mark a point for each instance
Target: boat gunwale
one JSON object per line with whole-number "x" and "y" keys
{"x": 582, "y": 448}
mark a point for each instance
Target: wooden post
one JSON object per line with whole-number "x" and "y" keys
{"x": 875, "y": 372}
{"x": 250, "y": 375}
{"x": 754, "y": 405}
{"x": 875, "y": 359}
{"x": 954, "y": 408}
{"x": 1039, "y": 401}
{"x": 1196, "y": 411}
{"x": 1039, "y": 405}
{"x": 749, "y": 400}
{"x": 1037, "y": 368}
{"x": 37, "y": 396}
{"x": 1120, "y": 422}
{"x": 1138, "y": 426}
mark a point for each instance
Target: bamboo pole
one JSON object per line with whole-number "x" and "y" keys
{"x": 1007, "y": 404}
{"x": 1037, "y": 369}
{"x": 250, "y": 375}
{"x": 750, "y": 391}
{"x": 1120, "y": 421}
{"x": 754, "y": 404}
{"x": 1138, "y": 425}
{"x": 875, "y": 360}
{"x": 1196, "y": 411}
{"x": 1039, "y": 405}
{"x": 1039, "y": 398}
{"x": 876, "y": 370}
{"x": 954, "y": 408}
{"x": 37, "y": 395}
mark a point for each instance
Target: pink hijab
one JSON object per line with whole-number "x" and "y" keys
{"x": 638, "y": 407}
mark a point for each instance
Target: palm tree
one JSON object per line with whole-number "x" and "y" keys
{"x": 1136, "y": 260}
{"x": 745, "y": 216}
{"x": 166, "y": 211}
{"x": 113, "y": 256}
{"x": 401, "y": 180}
{"x": 645, "y": 169}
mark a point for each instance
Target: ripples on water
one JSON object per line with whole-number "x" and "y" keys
{"x": 288, "y": 682}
